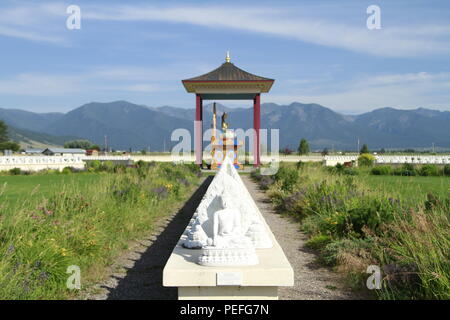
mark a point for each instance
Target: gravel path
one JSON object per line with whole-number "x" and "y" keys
{"x": 137, "y": 274}
{"x": 312, "y": 281}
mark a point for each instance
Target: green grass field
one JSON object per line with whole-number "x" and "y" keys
{"x": 410, "y": 189}
{"x": 24, "y": 187}
{"x": 355, "y": 219}
{"x": 50, "y": 222}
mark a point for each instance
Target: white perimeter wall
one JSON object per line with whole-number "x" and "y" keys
{"x": 36, "y": 163}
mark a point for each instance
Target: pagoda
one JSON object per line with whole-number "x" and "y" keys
{"x": 227, "y": 82}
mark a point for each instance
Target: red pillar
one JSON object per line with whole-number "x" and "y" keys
{"x": 256, "y": 126}
{"x": 198, "y": 127}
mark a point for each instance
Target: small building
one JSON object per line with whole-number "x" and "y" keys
{"x": 34, "y": 152}
{"x": 63, "y": 152}
{"x": 92, "y": 152}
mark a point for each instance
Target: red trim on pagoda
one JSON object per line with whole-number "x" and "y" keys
{"x": 198, "y": 127}
{"x": 256, "y": 127}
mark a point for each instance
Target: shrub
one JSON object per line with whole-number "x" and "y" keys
{"x": 15, "y": 171}
{"x": 446, "y": 170}
{"x": 429, "y": 170}
{"x": 66, "y": 170}
{"x": 350, "y": 171}
{"x": 194, "y": 168}
{"x": 107, "y": 166}
{"x": 318, "y": 242}
{"x": 288, "y": 178}
{"x": 256, "y": 175}
{"x": 300, "y": 165}
{"x": 266, "y": 181}
{"x": 353, "y": 252}
{"x": 381, "y": 170}
{"x": 406, "y": 170}
{"x": 366, "y": 160}
{"x": 295, "y": 203}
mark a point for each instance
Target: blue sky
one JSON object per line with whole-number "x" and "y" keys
{"x": 318, "y": 52}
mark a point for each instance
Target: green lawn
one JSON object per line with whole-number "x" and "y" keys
{"x": 411, "y": 189}
{"x": 49, "y": 222}
{"x": 19, "y": 188}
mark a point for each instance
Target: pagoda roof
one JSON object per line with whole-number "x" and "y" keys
{"x": 228, "y": 72}
{"x": 228, "y": 82}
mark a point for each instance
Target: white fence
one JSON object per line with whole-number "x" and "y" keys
{"x": 380, "y": 159}
{"x": 191, "y": 158}
{"x": 36, "y": 163}
{"x": 417, "y": 159}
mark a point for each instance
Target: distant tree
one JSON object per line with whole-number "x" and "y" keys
{"x": 303, "y": 147}
{"x": 5, "y": 144}
{"x": 78, "y": 144}
{"x": 10, "y": 145}
{"x": 325, "y": 152}
{"x": 143, "y": 152}
{"x": 382, "y": 151}
{"x": 95, "y": 147}
{"x": 364, "y": 149}
{"x": 3, "y": 132}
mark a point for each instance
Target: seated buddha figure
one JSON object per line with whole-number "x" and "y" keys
{"x": 227, "y": 231}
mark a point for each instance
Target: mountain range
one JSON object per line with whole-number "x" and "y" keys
{"x": 127, "y": 125}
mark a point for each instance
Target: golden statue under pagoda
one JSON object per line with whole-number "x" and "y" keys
{"x": 226, "y": 145}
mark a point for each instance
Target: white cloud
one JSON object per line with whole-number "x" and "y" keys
{"x": 33, "y": 23}
{"x": 39, "y": 84}
{"x": 28, "y": 35}
{"x": 404, "y": 91}
{"x": 112, "y": 79}
{"x": 395, "y": 41}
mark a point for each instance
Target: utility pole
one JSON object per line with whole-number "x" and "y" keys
{"x": 106, "y": 144}
{"x": 357, "y": 150}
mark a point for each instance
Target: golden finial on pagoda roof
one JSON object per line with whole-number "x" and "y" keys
{"x": 227, "y": 59}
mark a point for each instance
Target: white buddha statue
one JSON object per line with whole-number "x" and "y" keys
{"x": 227, "y": 231}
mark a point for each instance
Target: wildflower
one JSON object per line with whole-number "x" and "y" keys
{"x": 11, "y": 249}
{"x": 37, "y": 264}
{"x": 43, "y": 276}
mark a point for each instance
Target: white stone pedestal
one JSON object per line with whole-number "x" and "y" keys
{"x": 228, "y": 293}
{"x": 256, "y": 282}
